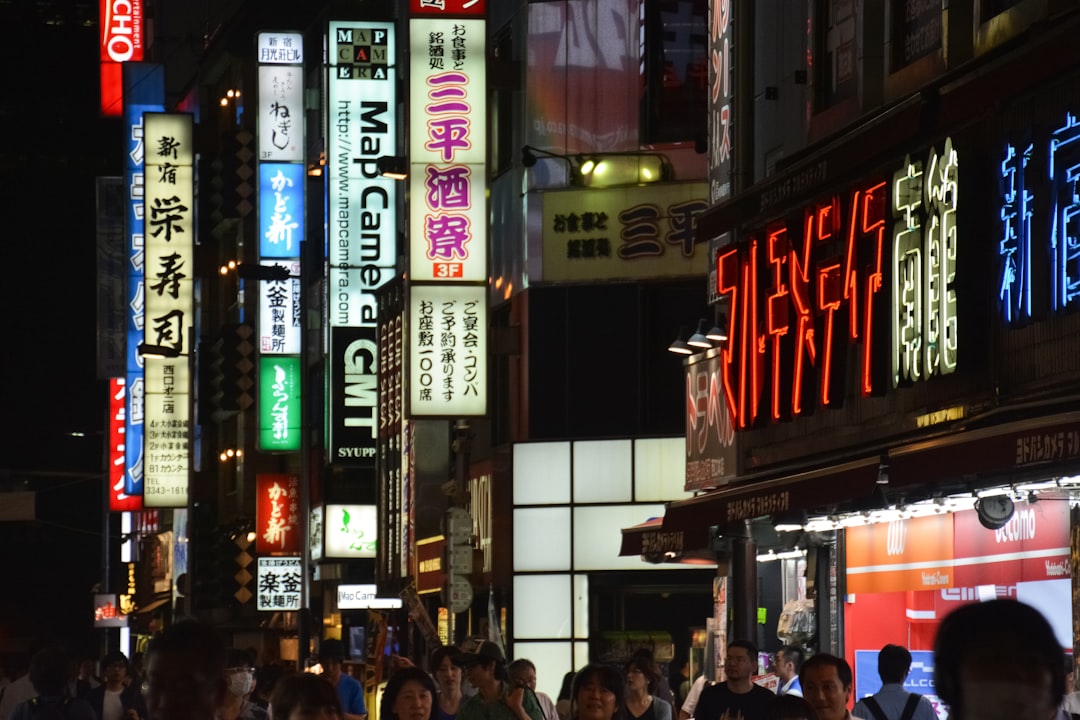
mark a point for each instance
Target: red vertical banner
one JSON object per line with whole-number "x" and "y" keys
{"x": 277, "y": 514}
{"x": 119, "y": 500}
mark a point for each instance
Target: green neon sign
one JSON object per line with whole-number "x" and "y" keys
{"x": 279, "y": 403}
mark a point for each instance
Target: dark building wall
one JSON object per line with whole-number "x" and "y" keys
{"x": 598, "y": 359}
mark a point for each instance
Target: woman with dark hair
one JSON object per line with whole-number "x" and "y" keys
{"x": 448, "y": 679}
{"x": 564, "y": 701}
{"x": 599, "y": 693}
{"x": 642, "y": 676}
{"x": 409, "y": 695}
{"x": 791, "y": 707}
{"x": 305, "y": 696}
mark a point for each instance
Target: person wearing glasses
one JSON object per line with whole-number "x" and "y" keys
{"x": 116, "y": 699}
{"x": 239, "y": 683}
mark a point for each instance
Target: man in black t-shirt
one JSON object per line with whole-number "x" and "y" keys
{"x": 738, "y": 696}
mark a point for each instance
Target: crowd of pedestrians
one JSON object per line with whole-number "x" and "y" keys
{"x": 997, "y": 660}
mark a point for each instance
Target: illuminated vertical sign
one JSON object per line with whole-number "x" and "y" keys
{"x": 144, "y": 87}
{"x": 119, "y": 500}
{"x": 280, "y": 583}
{"x": 447, "y": 150}
{"x": 281, "y": 211}
{"x": 350, "y": 531}
{"x": 721, "y": 96}
{"x": 447, "y": 350}
{"x": 279, "y": 403}
{"x": 794, "y": 291}
{"x": 121, "y": 26}
{"x": 1037, "y": 255}
{"x": 1014, "y": 246}
{"x": 924, "y": 322}
{"x": 1064, "y": 172}
{"x": 362, "y": 226}
{"x": 277, "y": 514}
{"x": 279, "y": 311}
{"x": 169, "y": 232}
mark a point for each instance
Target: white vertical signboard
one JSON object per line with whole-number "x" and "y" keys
{"x": 447, "y": 350}
{"x": 278, "y": 582}
{"x": 169, "y": 231}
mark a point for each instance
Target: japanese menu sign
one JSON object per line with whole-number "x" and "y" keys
{"x": 447, "y": 350}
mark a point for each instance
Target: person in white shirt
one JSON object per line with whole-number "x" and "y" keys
{"x": 686, "y": 711}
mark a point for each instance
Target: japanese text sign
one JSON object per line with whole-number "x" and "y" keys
{"x": 447, "y": 350}
{"x": 281, "y": 113}
{"x": 350, "y": 531}
{"x": 447, "y": 149}
{"x": 279, "y": 403}
{"x": 277, "y": 514}
{"x": 284, "y": 48}
{"x": 280, "y": 583}
{"x": 281, "y": 209}
{"x": 279, "y": 312}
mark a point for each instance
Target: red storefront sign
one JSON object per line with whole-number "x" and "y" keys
{"x": 277, "y": 514}
{"x": 119, "y": 500}
{"x": 1033, "y": 545}
{"x": 911, "y": 554}
{"x": 448, "y": 8}
{"x": 430, "y": 573}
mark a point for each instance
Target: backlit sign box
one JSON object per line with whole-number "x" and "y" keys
{"x": 144, "y": 91}
{"x": 280, "y": 48}
{"x": 277, "y": 514}
{"x": 281, "y": 113}
{"x": 279, "y": 311}
{"x": 121, "y": 24}
{"x": 119, "y": 500}
{"x": 447, "y": 350}
{"x": 362, "y": 204}
{"x": 169, "y": 228}
{"x": 279, "y": 582}
{"x": 281, "y": 209}
{"x": 448, "y": 8}
{"x": 350, "y": 531}
{"x": 447, "y": 151}
{"x": 279, "y": 403}
{"x": 354, "y": 400}
{"x": 364, "y": 597}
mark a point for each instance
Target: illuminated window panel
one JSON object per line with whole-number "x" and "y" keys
{"x": 541, "y": 539}
{"x": 603, "y": 471}
{"x": 541, "y": 473}
{"x": 542, "y": 607}
{"x": 660, "y": 469}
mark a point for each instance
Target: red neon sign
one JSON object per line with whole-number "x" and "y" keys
{"x": 121, "y": 23}
{"x": 811, "y": 292}
{"x": 119, "y": 501}
{"x": 277, "y": 514}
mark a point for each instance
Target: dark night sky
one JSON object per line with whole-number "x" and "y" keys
{"x": 54, "y": 145}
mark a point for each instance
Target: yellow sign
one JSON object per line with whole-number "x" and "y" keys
{"x": 622, "y": 233}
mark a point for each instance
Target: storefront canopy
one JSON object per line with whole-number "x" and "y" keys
{"x": 657, "y": 544}
{"x": 850, "y": 482}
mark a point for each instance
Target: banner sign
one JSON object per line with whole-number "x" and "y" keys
{"x": 277, "y": 514}
{"x": 448, "y": 351}
{"x": 712, "y": 456}
{"x": 284, "y": 48}
{"x": 904, "y": 554}
{"x": 170, "y": 302}
{"x": 364, "y": 597}
{"x": 721, "y": 100}
{"x": 279, "y": 582}
{"x": 279, "y": 403}
{"x": 448, "y": 150}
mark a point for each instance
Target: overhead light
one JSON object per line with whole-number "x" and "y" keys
{"x": 698, "y": 339}
{"x": 994, "y": 511}
{"x": 588, "y": 165}
{"x": 394, "y": 167}
{"x": 679, "y": 346}
{"x": 718, "y": 333}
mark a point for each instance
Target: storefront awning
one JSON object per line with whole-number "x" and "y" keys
{"x": 651, "y": 540}
{"x": 852, "y": 481}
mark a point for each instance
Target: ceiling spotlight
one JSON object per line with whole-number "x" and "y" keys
{"x": 718, "y": 333}
{"x": 587, "y": 166}
{"x": 679, "y": 346}
{"x": 698, "y": 339}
